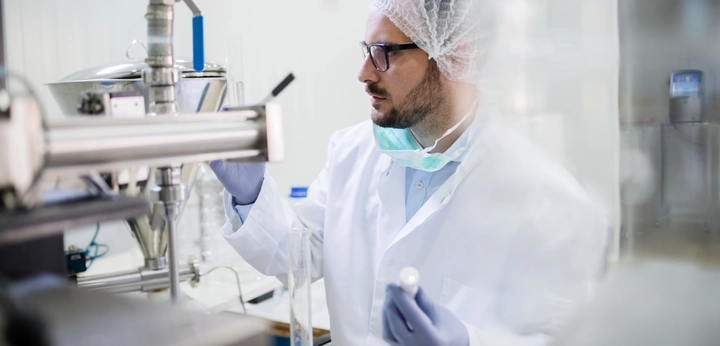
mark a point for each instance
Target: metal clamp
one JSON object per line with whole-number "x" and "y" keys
{"x": 161, "y": 76}
{"x": 174, "y": 193}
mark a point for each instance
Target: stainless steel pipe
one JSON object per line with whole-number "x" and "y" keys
{"x": 172, "y": 254}
{"x": 109, "y": 144}
{"x": 80, "y": 146}
{"x": 171, "y": 192}
{"x": 139, "y": 280}
{"x": 161, "y": 77}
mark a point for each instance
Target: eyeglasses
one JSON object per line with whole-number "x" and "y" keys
{"x": 379, "y": 53}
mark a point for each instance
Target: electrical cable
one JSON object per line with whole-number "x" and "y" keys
{"x": 96, "y": 246}
{"x": 237, "y": 280}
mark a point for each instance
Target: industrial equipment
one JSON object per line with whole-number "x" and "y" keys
{"x": 128, "y": 131}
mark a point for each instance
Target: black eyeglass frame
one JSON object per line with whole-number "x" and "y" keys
{"x": 387, "y": 48}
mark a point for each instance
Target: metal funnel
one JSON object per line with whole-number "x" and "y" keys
{"x": 150, "y": 231}
{"x": 196, "y": 91}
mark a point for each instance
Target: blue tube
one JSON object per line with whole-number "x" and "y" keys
{"x": 198, "y": 44}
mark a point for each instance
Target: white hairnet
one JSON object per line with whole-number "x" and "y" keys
{"x": 453, "y": 32}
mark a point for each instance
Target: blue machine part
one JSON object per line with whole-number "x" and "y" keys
{"x": 686, "y": 83}
{"x": 75, "y": 261}
{"x": 198, "y": 44}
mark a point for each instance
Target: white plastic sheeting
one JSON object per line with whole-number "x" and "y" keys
{"x": 553, "y": 75}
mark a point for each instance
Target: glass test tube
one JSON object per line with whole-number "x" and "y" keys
{"x": 299, "y": 280}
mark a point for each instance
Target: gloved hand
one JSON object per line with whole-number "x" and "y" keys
{"x": 432, "y": 325}
{"x": 242, "y": 180}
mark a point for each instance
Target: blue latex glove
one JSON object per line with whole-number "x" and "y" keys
{"x": 242, "y": 180}
{"x": 432, "y": 325}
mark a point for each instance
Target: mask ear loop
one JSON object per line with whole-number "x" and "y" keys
{"x": 449, "y": 131}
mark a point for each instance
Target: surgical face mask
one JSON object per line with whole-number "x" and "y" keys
{"x": 403, "y": 148}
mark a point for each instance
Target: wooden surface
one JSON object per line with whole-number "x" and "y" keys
{"x": 283, "y": 329}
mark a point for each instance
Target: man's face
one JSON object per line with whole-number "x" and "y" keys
{"x": 410, "y": 90}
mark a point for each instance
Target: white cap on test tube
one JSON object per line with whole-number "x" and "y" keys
{"x": 409, "y": 278}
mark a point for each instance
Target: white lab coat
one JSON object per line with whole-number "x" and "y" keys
{"x": 510, "y": 243}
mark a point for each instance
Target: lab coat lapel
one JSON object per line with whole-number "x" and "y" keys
{"x": 441, "y": 197}
{"x": 435, "y": 203}
{"x": 391, "y": 189}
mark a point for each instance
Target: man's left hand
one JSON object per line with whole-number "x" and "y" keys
{"x": 419, "y": 322}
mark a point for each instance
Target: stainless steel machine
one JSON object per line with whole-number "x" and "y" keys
{"x": 197, "y": 91}
{"x": 690, "y": 164}
{"x": 669, "y": 122}
{"x": 118, "y": 139}
{"x": 129, "y": 131}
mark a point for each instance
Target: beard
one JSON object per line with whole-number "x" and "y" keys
{"x": 422, "y": 101}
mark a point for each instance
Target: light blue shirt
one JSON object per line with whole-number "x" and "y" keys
{"x": 242, "y": 211}
{"x": 419, "y": 185}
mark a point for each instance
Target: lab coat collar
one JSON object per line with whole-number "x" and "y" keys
{"x": 391, "y": 186}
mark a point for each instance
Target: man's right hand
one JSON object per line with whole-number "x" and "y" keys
{"x": 242, "y": 180}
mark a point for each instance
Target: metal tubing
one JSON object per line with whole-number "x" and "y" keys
{"x": 161, "y": 75}
{"x": 233, "y": 116}
{"x": 135, "y": 280}
{"x": 172, "y": 192}
{"x": 161, "y": 78}
{"x": 128, "y": 148}
{"x": 77, "y": 147}
{"x": 112, "y": 279}
{"x": 172, "y": 256}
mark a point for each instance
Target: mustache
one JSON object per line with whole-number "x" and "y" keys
{"x": 376, "y": 90}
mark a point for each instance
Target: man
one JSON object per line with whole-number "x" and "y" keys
{"x": 506, "y": 243}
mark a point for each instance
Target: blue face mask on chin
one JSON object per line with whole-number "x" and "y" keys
{"x": 404, "y": 149}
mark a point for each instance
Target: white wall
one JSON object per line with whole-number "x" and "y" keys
{"x": 317, "y": 40}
